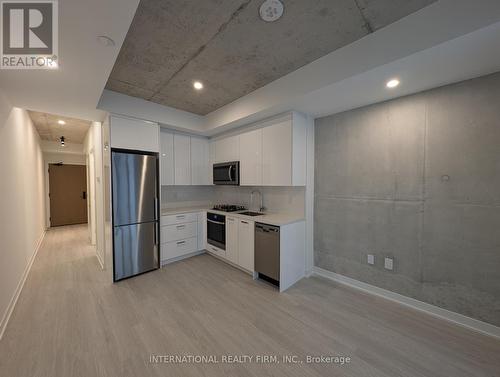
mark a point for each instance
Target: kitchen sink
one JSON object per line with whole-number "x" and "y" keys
{"x": 250, "y": 213}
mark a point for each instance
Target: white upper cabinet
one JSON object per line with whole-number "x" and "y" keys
{"x": 274, "y": 155}
{"x": 185, "y": 160}
{"x": 251, "y": 158}
{"x": 182, "y": 160}
{"x": 277, "y": 154}
{"x": 200, "y": 162}
{"x": 166, "y": 158}
{"x": 284, "y": 154}
{"x": 134, "y": 134}
{"x": 227, "y": 149}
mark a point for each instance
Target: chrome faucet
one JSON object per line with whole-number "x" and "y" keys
{"x": 261, "y": 208}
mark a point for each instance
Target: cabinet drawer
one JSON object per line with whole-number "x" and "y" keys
{"x": 180, "y": 218}
{"x": 179, "y": 248}
{"x": 178, "y": 232}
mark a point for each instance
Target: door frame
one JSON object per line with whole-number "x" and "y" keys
{"x": 91, "y": 171}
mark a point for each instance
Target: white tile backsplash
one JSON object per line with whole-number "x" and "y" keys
{"x": 290, "y": 200}
{"x": 187, "y": 196}
{"x": 276, "y": 199}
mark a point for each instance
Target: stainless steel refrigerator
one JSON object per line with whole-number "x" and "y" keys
{"x": 135, "y": 212}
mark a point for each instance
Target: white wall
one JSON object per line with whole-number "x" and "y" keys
{"x": 68, "y": 159}
{"x": 55, "y": 147}
{"x": 22, "y": 202}
{"x": 93, "y": 148}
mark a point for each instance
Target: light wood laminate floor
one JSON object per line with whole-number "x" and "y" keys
{"x": 70, "y": 322}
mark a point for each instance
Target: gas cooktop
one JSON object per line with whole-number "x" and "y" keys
{"x": 229, "y": 208}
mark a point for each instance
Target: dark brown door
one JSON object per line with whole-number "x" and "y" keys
{"x": 68, "y": 194}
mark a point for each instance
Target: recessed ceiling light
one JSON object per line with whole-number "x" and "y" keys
{"x": 271, "y": 10}
{"x": 105, "y": 40}
{"x": 61, "y": 122}
{"x": 198, "y": 85}
{"x": 392, "y": 83}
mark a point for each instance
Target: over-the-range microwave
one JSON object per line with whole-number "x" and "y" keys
{"x": 227, "y": 173}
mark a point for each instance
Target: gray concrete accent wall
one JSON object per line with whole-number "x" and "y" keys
{"x": 416, "y": 179}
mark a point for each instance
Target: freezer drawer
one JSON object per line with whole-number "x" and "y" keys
{"x": 135, "y": 249}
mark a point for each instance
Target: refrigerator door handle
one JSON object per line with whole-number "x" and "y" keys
{"x": 156, "y": 234}
{"x": 156, "y": 208}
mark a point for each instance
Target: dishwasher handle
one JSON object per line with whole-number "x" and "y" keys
{"x": 259, "y": 227}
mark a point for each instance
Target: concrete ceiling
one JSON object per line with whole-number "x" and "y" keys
{"x": 225, "y": 44}
{"x": 49, "y": 129}
{"x": 446, "y": 42}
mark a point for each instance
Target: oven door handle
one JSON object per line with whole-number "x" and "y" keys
{"x": 216, "y": 222}
{"x": 230, "y": 174}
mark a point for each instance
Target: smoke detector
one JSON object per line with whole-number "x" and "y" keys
{"x": 105, "y": 40}
{"x": 271, "y": 10}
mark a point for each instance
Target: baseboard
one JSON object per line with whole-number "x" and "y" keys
{"x": 101, "y": 262}
{"x": 459, "y": 319}
{"x": 176, "y": 259}
{"x": 19, "y": 288}
{"x": 231, "y": 263}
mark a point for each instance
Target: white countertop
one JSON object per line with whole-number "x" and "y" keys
{"x": 271, "y": 218}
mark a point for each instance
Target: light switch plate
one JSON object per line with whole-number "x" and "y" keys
{"x": 389, "y": 263}
{"x": 371, "y": 259}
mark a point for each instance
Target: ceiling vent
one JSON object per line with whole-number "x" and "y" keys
{"x": 271, "y": 10}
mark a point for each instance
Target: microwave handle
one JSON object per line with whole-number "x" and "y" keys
{"x": 230, "y": 175}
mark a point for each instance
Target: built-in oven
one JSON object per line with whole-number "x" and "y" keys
{"x": 227, "y": 173}
{"x": 216, "y": 230}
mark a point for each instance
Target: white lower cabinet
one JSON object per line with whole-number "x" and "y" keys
{"x": 180, "y": 235}
{"x": 240, "y": 242}
{"x": 179, "y": 218}
{"x": 175, "y": 249}
{"x": 246, "y": 235}
{"x": 179, "y": 231}
{"x": 232, "y": 239}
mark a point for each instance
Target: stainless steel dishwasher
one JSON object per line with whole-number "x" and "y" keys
{"x": 267, "y": 252}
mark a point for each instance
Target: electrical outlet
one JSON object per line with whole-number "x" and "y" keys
{"x": 389, "y": 263}
{"x": 371, "y": 259}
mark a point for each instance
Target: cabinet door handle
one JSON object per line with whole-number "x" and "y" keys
{"x": 181, "y": 243}
{"x": 180, "y": 216}
{"x": 244, "y": 222}
{"x": 181, "y": 226}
